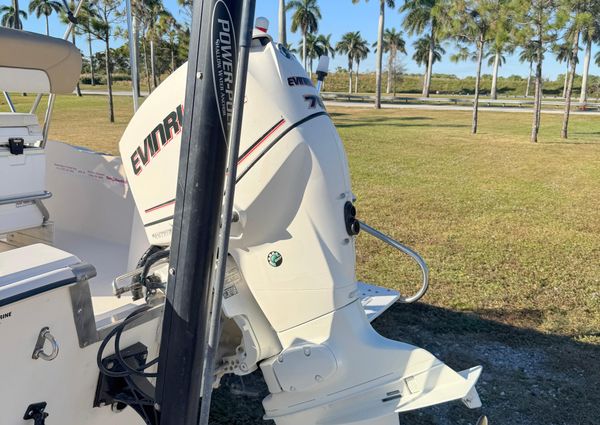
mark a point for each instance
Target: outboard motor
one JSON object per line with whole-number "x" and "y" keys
{"x": 291, "y": 289}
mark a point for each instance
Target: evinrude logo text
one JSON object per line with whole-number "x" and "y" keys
{"x": 299, "y": 81}
{"x": 224, "y": 50}
{"x": 165, "y": 131}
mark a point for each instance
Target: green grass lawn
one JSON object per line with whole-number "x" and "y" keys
{"x": 511, "y": 230}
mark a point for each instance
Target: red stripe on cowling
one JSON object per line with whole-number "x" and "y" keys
{"x": 269, "y": 134}
{"x": 160, "y": 206}
{"x": 260, "y": 142}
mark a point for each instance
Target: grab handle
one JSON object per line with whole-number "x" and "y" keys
{"x": 408, "y": 251}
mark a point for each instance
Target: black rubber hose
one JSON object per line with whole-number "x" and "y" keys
{"x": 151, "y": 260}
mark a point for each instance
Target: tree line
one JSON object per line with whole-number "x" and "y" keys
{"x": 478, "y": 30}
{"x": 161, "y": 42}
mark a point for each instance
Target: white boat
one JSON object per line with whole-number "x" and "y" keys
{"x": 85, "y": 239}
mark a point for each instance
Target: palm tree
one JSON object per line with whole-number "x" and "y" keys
{"x": 86, "y": 15}
{"x": 306, "y": 19}
{"x": 379, "y": 59}
{"x": 348, "y": 46}
{"x": 393, "y": 42}
{"x": 324, "y": 45}
{"x": 169, "y": 26}
{"x": 496, "y": 59}
{"x": 317, "y": 46}
{"x": 420, "y": 16}
{"x": 424, "y": 55}
{"x": 9, "y": 17}
{"x": 64, "y": 18}
{"x": 562, "y": 53}
{"x": 45, "y": 7}
{"x": 106, "y": 15}
{"x": 361, "y": 52}
{"x": 150, "y": 12}
{"x": 139, "y": 32}
{"x": 290, "y": 48}
{"x": 528, "y": 55}
{"x": 477, "y": 23}
{"x": 186, "y": 8}
{"x": 590, "y": 33}
{"x": 282, "y": 25}
{"x": 572, "y": 38}
{"x": 312, "y": 50}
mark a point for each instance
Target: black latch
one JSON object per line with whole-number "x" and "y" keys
{"x": 16, "y": 144}
{"x": 36, "y": 413}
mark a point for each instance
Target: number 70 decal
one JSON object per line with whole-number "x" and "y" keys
{"x": 313, "y": 101}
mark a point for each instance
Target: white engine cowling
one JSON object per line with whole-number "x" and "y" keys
{"x": 296, "y": 299}
{"x": 293, "y": 183}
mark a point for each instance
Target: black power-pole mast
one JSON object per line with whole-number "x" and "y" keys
{"x": 218, "y": 60}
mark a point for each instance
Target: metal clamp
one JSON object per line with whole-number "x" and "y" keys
{"x": 120, "y": 290}
{"x": 406, "y": 250}
{"x": 38, "y": 352}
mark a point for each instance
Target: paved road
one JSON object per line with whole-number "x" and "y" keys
{"x": 115, "y": 93}
{"x": 455, "y": 108}
{"x": 397, "y": 106}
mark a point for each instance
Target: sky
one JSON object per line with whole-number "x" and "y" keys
{"x": 338, "y": 17}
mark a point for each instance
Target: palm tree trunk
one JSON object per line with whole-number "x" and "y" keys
{"x": 152, "y": 67}
{"x": 477, "y": 83}
{"x": 494, "y": 91}
{"x": 537, "y": 107}
{"x": 304, "y": 50}
{"x": 111, "y": 110}
{"x": 77, "y": 88}
{"x": 564, "y": 133}
{"x": 356, "y": 77}
{"x": 427, "y": 85}
{"x": 379, "y": 59}
{"x": 91, "y": 57}
{"x": 17, "y": 24}
{"x": 147, "y": 72}
{"x": 47, "y": 25}
{"x": 350, "y": 80}
{"x": 136, "y": 46}
{"x": 529, "y": 79}
{"x": 390, "y": 71}
{"x": 282, "y": 26}
{"x": 172, "y": 57}
{"x": 586, "y": 71}
{"x": 566, "y": 82}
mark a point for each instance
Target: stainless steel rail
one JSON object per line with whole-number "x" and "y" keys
{"x": 28, "y": 198}
{"x": 9, "y": 101}
{"x": 52, "y": 97}
{"x": 406, "y": 250}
